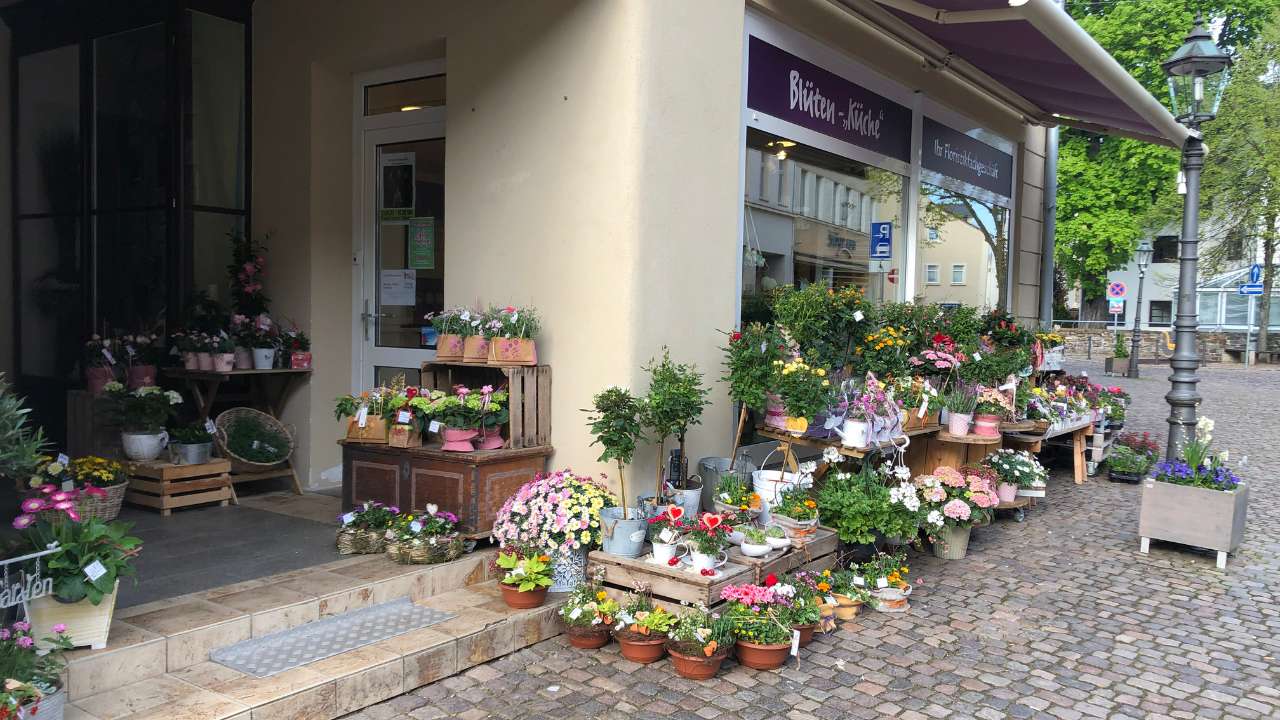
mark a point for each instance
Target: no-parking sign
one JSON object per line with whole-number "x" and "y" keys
{"x": 1116, "y": 290}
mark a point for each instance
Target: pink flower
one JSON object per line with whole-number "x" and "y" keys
{"x": 59, "y": 629}
{"x": 956, "y": 510}
{"x": 48, "y": 488}
{"x": 64, "y": 505}
{"x": 22, "y": 626}
{"x": 509, "y": 309}
{"x": 59, "y": 496}
{"x": 250, "y": 268}
{"x": 95, "y": 491}
{"x": 977, "y": 484}
{"x": 25, "y": 642}
{"x": 983, "y": 500}
{"x": 936, "y": 494}
{"x": 22, "y": 522}
{"x": 31, "y": 505}
{"x": 949, "y": 477}
{"x": 4, "y": 634}
{"x": 75, "y": 516}
{"x": 486, "y": 390}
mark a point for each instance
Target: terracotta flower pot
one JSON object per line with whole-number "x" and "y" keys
{"x": 523, "y": 600}
{"x": 763, "y": 657}
{"x": 141, "y": 376}
{"x": 643, "y": 649}
{"x": 847, "y": 608}
{"x": 806, "y": 633}
{"x": 592, "y": 638}
{"x": 696, "y": 665}
{"x": 96, "y": 378}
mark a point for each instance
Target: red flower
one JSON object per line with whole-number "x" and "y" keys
{"x": 770, "y": 580}
{"x": 735, "y": 337}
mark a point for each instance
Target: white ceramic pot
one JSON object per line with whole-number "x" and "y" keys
{"x": 736, "y": 537}
{"x": 264, "y": 358}
{"x": 707, "y": 562}
{"x": 143, "y": 445}
{"x": 664, "y": 552}
{"x": 777, "y": 543}
{"x": 751, "y": 550}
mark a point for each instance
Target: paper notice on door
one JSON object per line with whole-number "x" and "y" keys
{"x": 399, "y": 287}
{"x": 422, "y": 243}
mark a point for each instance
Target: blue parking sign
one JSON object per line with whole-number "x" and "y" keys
{"x": 881, "y": 240}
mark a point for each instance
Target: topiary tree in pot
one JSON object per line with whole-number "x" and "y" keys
{"x": 675, "y": 402}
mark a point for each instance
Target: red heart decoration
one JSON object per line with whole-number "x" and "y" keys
{"x": 675, "y": 512}
{"x": 711, "y": 521}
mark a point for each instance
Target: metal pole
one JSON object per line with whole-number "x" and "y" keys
{"x": 1137, "y": 325}
{"x": 1248, "y": 333}
{"x": 1183, "y": 398}
{"x": 1050, "y": 228}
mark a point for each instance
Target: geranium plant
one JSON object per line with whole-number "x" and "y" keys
{"x": 143, "y": 410}
{"x": 555, "y": 513}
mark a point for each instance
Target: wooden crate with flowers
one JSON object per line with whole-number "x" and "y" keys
{"x": 527, "y": 388}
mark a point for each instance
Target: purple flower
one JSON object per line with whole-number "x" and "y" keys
{"x": 25, "y": 642}
{"x": 31, "y": 505}
{"x": 22, "y": 522}
{"x": 22, "y": 626}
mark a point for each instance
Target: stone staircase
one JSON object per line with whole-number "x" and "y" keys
{"x": 157, "y": 666}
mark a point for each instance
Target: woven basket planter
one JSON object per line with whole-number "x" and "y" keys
{"x": 446, "y": 548}
{"x": 242, "y": 465}
{"x": 359, "y": 541}
{"x": 105, "y": 508}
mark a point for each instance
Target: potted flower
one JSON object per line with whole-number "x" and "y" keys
{"x": 190, "y": 445}
{"x": 511, "y": 332}
{"x": 885, "y": 578}
{"x": 140, "y": 414}
{"x": 558, "y": 514}
{"x": 615, "y": 427}
{"x": 33, "y": 668}
{"x": 868, "y": 505}
{"x": 449, "y": 327}
{"x": 527, "y": 578}
{"x": 102, "y": 484}
{"x": 807, "y": 601}
{"x": 706, "y": 542}
{"x": 920, "y": 401}
{"x": 588, "y": 614}
{"x": 141, "y": 354}
{"x": 960, "y": 403}
{"x": 665, "y": 531}
{"x": 266, "y": 341}
{"x": 367, "y": 412}
{"x": 797, "y": 513}
{"x": 494, "y": 413}
{"x": 805, "y": 391}
{"x": 364, "y": 528}
{"x": 203, "y": 344}
{"x": 1195, "y": 499}
{"x": 754, "y": 542}
{"x": 1126, "y": 465}
{"x": 849, "y": 591}
{"x": 475, "y": 347}
{"x": 954, "y": 503}
{"x": 776, "y": 538}
{"x": 243, "y": 336}
{"x": 1016, "y": 470}
{"x": 99, "y": 363}
{"x": 991, "y": 407}
{"x": 404, "y": 419}
{"x": 735, "y": 495}
{"x": 642, "y": 630}
{"x": 761, "y": 623}
{"x": 424, "y": 538}
{"x": 749, "y": 371}
{"x": 675, "y": 402}
{"x": 297, "y": 346}
{"x": 86, "y": 575}
{"x": 699, "y": 642}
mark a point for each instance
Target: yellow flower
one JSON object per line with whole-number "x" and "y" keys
{"x": 601, "y": 595}
{"x": 822, "y": 373}
{"x": 826, "y": 383}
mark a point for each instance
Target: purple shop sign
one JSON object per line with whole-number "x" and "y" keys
{"x": 799, "y": 92}
{"x": 958, "y": 156}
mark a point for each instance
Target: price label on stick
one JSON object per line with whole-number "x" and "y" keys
{"x": 402, "y": 418}
{"x": 434, "y": 426}
{"x": 795, "y": 642}
{"x": 209, "y": 427}
{"x": 94, "y": 570}
{"x": 362, "y": 416}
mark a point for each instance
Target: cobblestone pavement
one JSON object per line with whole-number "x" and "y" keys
{"x": 1058, "y": 617}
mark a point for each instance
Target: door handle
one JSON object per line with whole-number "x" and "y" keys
{"x": 366, "y": 316}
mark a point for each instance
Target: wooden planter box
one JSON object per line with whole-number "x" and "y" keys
{"x": 529, "y": 388}
{"x": 471, "y": 485}
{"x": 165, "y": 487}
{"x": 1204, "y": 518}
{"x": 816, "y": 555}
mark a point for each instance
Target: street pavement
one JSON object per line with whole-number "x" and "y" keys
{"x": 1057, "y": 617}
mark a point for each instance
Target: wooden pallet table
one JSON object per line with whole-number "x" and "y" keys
{"x": 165, "y": 486}
{"x": 816, "y": 555}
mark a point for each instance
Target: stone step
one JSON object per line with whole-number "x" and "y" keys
{"x": 148, "y": 641}
{"x": 484, "y": 629}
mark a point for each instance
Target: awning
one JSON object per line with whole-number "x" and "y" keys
{"x": 1036, "y": 53}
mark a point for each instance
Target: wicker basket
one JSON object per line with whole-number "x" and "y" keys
{"x": 239, "y": 464}
{"x": 446, "y": 548}
{"x": 361, "y": 541}
{"x": 105, "y": 507}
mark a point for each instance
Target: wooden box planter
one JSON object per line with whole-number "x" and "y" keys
{"x": 165, "y": 487}
{"x": 816, "y": 555}
{"x": 669, "y": 585}
{"x": 374, "y": 430}
{"x": 471, "y": 485}
{"x": 1194, "y": 516}
{"x": 528, "y": 387}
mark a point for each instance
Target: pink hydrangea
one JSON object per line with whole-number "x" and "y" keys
{"x": 935, "y": 494}
{"x": 985, "y": 500}
{"x": 977, "y": 484}
{"x": 950, "y": 477}
{"x": 956, "y": 510}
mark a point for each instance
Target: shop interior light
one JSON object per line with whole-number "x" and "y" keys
{"x": 782, "y": 154}
{"x": 408, "y": 108}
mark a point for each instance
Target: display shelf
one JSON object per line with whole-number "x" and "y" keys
{"x": 970, "y": 439}
{"x": 528, "y": 391}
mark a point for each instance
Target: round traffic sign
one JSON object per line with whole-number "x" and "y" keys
{"x": 893, "y": 275}
{"x": 1116, "y": 290}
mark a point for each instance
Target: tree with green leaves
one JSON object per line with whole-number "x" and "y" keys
{"x": 675, "y": 402}
{"x": 615, "y": 425}
{"x": 1110, "y": 189}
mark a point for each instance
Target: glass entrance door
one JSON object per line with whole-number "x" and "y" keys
{"x": 402, "y": 258}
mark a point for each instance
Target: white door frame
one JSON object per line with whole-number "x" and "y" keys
{"x": 367, "y": 134}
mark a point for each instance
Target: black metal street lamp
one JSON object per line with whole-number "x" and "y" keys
{"x": 1143, "y": 256}
{"x": 1197, "y": 75}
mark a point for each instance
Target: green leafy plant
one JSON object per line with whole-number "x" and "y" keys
{"x": 1121, "y": 351}
{"x": 251, "y": 439}
{"x": 143, "y": 410}
{"x": 750, "y": 364}
{"x": 698, "y": 631}
{"x": 83, "y": 544}
{"x": 859, "y": 506}
{"x": 189, "y": 435}
{"x": 991, "y": 367}
{"x": 961, "y": 398}
{"x": 1127, "y": 460}
{"x": 640, "y": 617}
{"x": 675, "y": 402}
{"x": 736, "y": 490}
{"x": 589, "y": 606}
{"x": 805, "y": 390}
{"x": 525, "y": 572}
{"x": 754, "y": 535}
{"x": 615, "y": 424}
{"x": 24, "y": 660}
{"x": 797, "y": 504}
{"x": 21, "y": 443}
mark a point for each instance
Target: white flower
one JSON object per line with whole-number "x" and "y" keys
{"x": 147, "y": 390}
{"x": 54, "y": 468}
{"x": 807, "y": 468}
{"x": 173, "y": 397}
{"x": 1223, "y": 456}
{"x": 934, "y": 518}
{"x": 831, "y": 455}
{"x": 784, "y": 590}
{"x": 902, "y": 472}
{"x": 432, "y": 508}
{"x": 465, "y": 316}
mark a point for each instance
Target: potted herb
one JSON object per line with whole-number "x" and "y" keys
{"x": 527, "y": 578}
{"x": 511, "y": 333}
{"x": 99, "y": 362}
{"x": 675, "y": 402}
{"x": 140, "y": 414}
{"x": 33, "y": 668}
{"x": 797, "y": 514}
{"x": 699, "y": 642}
{"x": 364, "y": 529}
{"x": 449, "y": 333}
{"x": 588, "y": 614}
{"x": 665, "y": 531}
{"x": 86, "y": 575}
{"x": 642, "y": 630}
{"x": 615, "y": 426}
{"x": 1195, "y": 499}
{"x": 754, "y": 543}
{"x": 190, "y": 445}
{"x": 960, "y": 403}
{"x": 761, "y": 623}
{"x": 706, "y": 542}
{"x": 424, "y": 538}
{"x": 953, "y": 503}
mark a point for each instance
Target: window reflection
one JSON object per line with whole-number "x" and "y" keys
{"x": 964, "y": 242}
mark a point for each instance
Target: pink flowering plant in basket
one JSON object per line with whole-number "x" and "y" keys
{"x": 952, "y": 498}
{"x": 556, "y": 513}
{"x": 53, "y": 503}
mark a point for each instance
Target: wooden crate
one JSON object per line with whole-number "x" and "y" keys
{"x": 673, "y": 585}
{"x": 165, "y": 486}
{"x": 529, "y": 387}
{"x": 809, "y": 556}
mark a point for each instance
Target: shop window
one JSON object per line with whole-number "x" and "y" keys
{"x": 1209, "y": 304}
{"x": 931, "y": 274}
{"x": 1237, "y": 314}
{"x": 970, "y": 238}
{"x": 1161, "y": 313}
{"x": 808, "y": 218}
{"x": 958, "y": 274}
{"x": 1165, "y": 249}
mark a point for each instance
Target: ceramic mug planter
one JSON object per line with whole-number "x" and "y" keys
{"x": 523, "y": 600}
{"x": 751, "y": 550}
{"x": 96, "y": 378}
{"x": 204, "y": 361}
{"x": 143, "y": 446}
{"x": 588, "y": 638}
{"x": 1008, "y": 492}
{"x": 264, "y": 358}
{"x": 763, "y": 657}
{"x": 690, "y": 662}
{"x": 958, "y": 423}
{"x": 986, "y": 425}
{"x": 456, "y": 440}
{"x": 190, "y": 453}
{"x": 701, "y": 561}
{"x": 642, "y": 649}
{"x": 663, "y": 553}
{"x": 224, "y": 362}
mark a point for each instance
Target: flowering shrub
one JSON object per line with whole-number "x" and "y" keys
{"x": 143, "y": 410}
{"x": 559, "y": 512}
{"x": 1197, "y": 466}
{"x": 1017, "y": 467}
{"x": 588, "y": 606}
{"x": 954, "y": 499}
{"x": 886, "y": 351}
{"x": 760, "y": 613}
{"x": 93, "y": 471}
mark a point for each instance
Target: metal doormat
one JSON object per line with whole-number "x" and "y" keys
{"x": 273, "y": 654}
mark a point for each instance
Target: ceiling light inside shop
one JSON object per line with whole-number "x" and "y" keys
{"x": 782, "y": 154}
{"x": 408, "y": 108}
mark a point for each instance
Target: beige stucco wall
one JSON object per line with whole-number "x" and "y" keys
{"x": 593, "y": 164}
